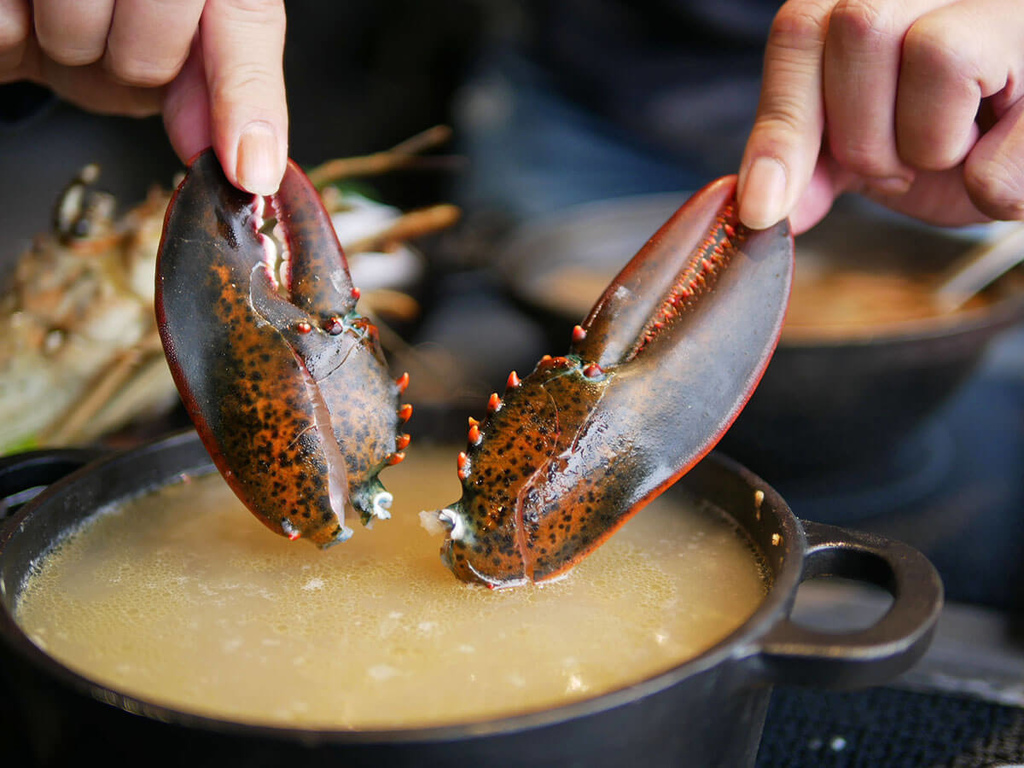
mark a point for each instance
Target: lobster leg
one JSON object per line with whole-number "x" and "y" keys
{"x": 286, "y": 384}
{"x": 653, "y": 378}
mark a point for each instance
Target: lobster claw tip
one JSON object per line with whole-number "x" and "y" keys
{"x": 654, "y": 376}
{"x": 343, "y": 534}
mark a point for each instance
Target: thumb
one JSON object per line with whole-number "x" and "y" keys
{"x": 243, "y": 49}
{"x": 783, "y": 147}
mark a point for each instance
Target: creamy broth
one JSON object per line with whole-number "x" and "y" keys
{"x": 182, "y": 598}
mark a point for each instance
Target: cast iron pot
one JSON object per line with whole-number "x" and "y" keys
{"x": 707, "y": 712}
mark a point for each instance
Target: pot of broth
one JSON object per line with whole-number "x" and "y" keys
{"x": 866, "y": 354}
{"x": 145, "y": 615}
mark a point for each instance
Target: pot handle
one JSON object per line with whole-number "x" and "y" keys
{"x": 24, "y": 475}
{"x": 793, "y": 654}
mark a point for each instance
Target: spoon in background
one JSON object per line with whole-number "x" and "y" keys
{"x": 980, "y": 266}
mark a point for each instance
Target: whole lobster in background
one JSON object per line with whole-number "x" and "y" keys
{"x": 80, "y": 356}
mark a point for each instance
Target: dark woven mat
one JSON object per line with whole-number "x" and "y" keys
{"x": 888, "y": 728}
{"x": 878, "y": 728}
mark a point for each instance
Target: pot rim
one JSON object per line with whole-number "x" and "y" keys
{"x": 740, "y": 644}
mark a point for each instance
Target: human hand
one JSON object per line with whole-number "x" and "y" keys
{"x": 212, "y": 67}
{"x": 918, "y": 105}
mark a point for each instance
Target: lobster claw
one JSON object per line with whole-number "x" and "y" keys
{"x": 286, "y": 384}
{"x": 654, "y": 376}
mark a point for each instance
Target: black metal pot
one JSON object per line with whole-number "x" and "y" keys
{"x": 707, "y": 712}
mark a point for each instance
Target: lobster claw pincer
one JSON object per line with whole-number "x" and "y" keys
{"x": 654, "y": 376}
{"x": 285, "y": 382}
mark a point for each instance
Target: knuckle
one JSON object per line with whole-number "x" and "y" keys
{"x": 75, "y": 57}
{"x": 863, "y": 23}
{"x": 864, "y": 159}
{"x": 786, "y": 117}
{"x": 147, "y": 73}
{"x": 244, "y": 79}
{"x": 69, "y": 55}
{"x": 929, "y": 146}
{"x": 933, "y": 47}
{"x": 799, "y": 25}
{"x": 996, "y": 188}
{"x": 925, "y": 155}
{"x": 65, "y": 47}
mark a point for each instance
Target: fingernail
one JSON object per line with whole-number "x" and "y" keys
{"x": 893, "y": 185}
{"x": 258, "y": 166}
{"x": 764, "y": 195}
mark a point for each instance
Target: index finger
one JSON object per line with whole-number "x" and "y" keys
{"x": 243, "y": 50}
{"x": 786, "y": 138}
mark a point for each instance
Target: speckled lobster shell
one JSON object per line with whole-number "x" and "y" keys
{"x": 654, "y": 376}
{"x": 286, "y": 384}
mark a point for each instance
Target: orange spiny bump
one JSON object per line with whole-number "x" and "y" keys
{"x": 494, "y": 404}
{"x": 578, "y": 334}
{"x": 402, "y": 441}
{"x": 593, "y": 371}
{"x": 513, "y": 381}
{"x": 303, "y": 327}
{"x": 474, "y": 434}
{"x": 396, "y": 458}
{"x": 463, "y": 465}
{"x": 402, "y": 382}
{"x": 356, "y": 293}
{"x": 405, "y": 412}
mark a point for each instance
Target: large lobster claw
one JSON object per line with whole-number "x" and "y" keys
{"x": 654, "y": 376}
{"x": 285, "y": 382}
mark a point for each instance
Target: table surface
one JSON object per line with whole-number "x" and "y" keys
{"x": 961, "y": 706}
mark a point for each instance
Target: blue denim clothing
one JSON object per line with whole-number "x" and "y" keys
{"x": 531, "y": 150}
{"x": 594, "y": 99}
